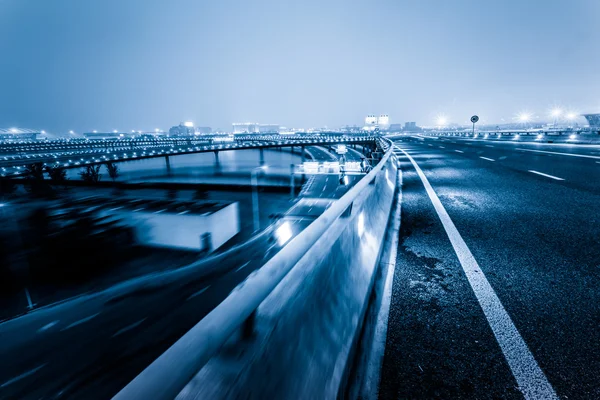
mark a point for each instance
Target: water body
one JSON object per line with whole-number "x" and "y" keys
{"x": 201, "y": 167}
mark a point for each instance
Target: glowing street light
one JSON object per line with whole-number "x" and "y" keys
{"x": 71, "y": 132}
{"x": 571, "y": 116}
{"x": 556, "y": 112}
{"x": 441, "y": 120}
{"x": 524, "y": 117}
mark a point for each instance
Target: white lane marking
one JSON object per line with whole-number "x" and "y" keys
{"x": 48, "y": 326}
{"x": 81, "y": 321}
{"x": 429, "y": 144}
{"x": 139, "y": 209}
{"x": 562, "y": 154}
{"x": 485, "y": 158}
{"x": 129, "y": 327}
{"x": 488, "y": 145}
{"x": 324, "y": 187}
{"x": 199, "y": 292}
{"x": 23, "y": 375}
{"x": 442, "y": 147}
{"x": 546, "y": 175}
{"x": 184, "y": 212}
{"x": 597, "y": 162}
{"x": 459, "y": 151}
{"x": 528, "y": 374}
{"x": 375, "y": 360}
{"x": 242, "y": 266}
{"x": 159, "y": 211}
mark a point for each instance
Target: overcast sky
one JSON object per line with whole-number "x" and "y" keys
{"x": 143, "y": 64}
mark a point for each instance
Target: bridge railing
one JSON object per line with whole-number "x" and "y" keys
{"x": 354, "y": 225}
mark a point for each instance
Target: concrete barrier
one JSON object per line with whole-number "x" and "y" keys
{"x": 306, "y": 330}
{"x": 310, "y": 317}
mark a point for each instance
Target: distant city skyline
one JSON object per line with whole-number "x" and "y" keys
{"x": 146, "y": 64}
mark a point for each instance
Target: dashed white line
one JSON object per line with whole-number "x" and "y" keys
{"x": 562, "y": 154}
{"x": 442, "y": 147}
{"x": 488, "y": 145}
{"x": 485, "y": 158}
{"x": 23, "y": 375}
{"x": 546, "y": 175}
{"x": 129, "y": 327}
{"x": 184, "y": 212}
{"x": 528, "y": 374}
{"x": 48, "y": 326}
{"x": 81, "y": 321}
{"x": 459, "y": 151}
{"x": 199, "y": 292}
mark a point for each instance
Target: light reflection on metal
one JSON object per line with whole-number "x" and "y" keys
{"x": 283, "y": 233}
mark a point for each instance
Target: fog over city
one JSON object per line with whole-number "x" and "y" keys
{"x": 141, "y": 64}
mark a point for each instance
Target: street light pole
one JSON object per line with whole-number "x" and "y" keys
{"x": 254, "y": 182}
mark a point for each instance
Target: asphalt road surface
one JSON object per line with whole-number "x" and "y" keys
{"x": 90, "y": 347}
{"x": 496, "y": 293}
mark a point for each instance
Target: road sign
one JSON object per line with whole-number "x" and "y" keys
{"x": 474, "y": 118}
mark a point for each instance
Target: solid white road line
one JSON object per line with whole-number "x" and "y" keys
{"x": 129, "y": 327}
{"x": 198, "y": 293}
{"x": 546, "y": 175}
{"x": 528, "y": 374}
{"x": 459, "y": 151}
{"x": 562, "y": 154}
{"x": 81, "y": 321}
{"x": 485, "y": 158}
{"x": 23, "y": 375}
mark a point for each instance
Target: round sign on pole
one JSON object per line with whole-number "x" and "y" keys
{"x": 474, "y": 118}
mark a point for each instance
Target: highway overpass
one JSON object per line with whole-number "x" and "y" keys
{"x": 457, "y": 268}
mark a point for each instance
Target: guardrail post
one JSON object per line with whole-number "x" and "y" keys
{"x": 248, "y": 326}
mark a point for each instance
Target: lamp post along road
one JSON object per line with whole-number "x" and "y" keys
{"x": 254, "y": 182}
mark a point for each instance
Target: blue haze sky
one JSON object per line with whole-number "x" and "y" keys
{"x": 141, "y": 64}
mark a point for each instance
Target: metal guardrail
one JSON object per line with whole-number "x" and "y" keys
{"x": 168, "y": 374}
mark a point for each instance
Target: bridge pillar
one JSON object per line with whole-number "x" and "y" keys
{"x": 168, "y": 165}
{"x": 261, "y": 156}
{"x": 217, "y": 163}
{"x": 303, "y": 154}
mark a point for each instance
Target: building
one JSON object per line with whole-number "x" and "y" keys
{"x": 252, "y": 127}
{"x": 395, "y": 127}
{"x": 245, "y": 127}
{"x": 593, "y": 120}
{"x": 410, "y": 126}
{"x": 183, "y": 129}
{"x": 19, "y": 134}
{"x": 186, "y": 225}
{"x": 268, "y": 128}
{"x": 203, "y": 130}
